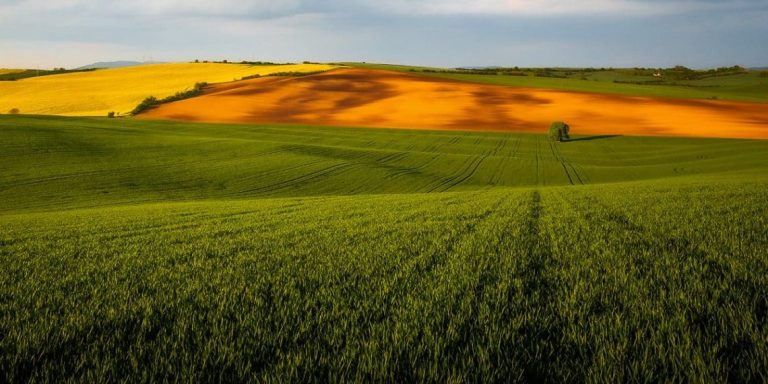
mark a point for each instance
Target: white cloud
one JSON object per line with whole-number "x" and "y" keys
{"x": 561, "y": 7}
{"x": 207, "y": 7}
{"x": 280, "y": 8}
{"x": 151, "y": 7}
{"x": 438, "y": 32}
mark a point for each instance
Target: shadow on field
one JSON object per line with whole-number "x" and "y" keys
{"x": 594, "y": 137}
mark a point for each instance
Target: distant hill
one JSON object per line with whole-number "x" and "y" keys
{"x": 116, "y": 64}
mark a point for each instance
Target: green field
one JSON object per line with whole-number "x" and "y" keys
{"x": 748, "y": 86}
{"x": 144, "y": 251}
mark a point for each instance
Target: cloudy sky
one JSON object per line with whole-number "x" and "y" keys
{"x": 448, "y": 33}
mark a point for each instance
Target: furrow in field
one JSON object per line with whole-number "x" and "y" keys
{"x": 305, "y": 178}
{"x": 18, "y": 183}
{"x": 464, "y": 173}
{"x": 566, "y": 164}
{"x": 455, "y": 286}
{"x": 562, "y": 164}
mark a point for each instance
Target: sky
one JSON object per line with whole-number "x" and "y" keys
{"x": 443, "y": 33}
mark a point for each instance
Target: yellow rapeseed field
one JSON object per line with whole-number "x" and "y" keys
{"x": 98, "y": 92}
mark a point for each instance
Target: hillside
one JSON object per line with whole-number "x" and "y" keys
{"x": 97, "y": 92}
{"x": 4, "y": 71}
{"x": 732, "y": 83}
{"x": 54, "y": 163}
{"x": 378, "y": 98}
{"x": 202, "y": 252}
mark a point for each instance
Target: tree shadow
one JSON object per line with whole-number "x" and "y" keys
{"x": 586, "y": 138}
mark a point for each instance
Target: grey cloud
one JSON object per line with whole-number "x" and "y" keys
{"x": 696, "y": 33}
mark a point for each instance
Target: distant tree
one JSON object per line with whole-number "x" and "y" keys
{"x": 111, "y": 114}
{"x": 197, "y": 61}
{"x": 558, "y": 131}
{"x": 14, "y": 111}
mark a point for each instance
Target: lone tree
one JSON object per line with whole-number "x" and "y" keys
{"x": 558, "y": 131}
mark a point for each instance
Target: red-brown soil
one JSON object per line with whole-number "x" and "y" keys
{"x": 376, "y": 98}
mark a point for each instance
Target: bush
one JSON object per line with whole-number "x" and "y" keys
{"x": 111, "y": 114}
{"x": 558, "y": 131}
{"x": 14, "y": 111}
{"x": 152, "y": 102}
{"x": 196, "y": 90}
{"x": 145, "y": 105}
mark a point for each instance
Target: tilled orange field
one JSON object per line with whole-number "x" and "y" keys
{"x": 376, "y": 98}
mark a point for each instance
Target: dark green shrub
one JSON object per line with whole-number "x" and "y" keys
{"x": 558, "y": 131}
{"x": 196, "y": 90}
{"x": 145, "y": 105}
{"x": 14, "y": 111}
{"x": 111, "y": 114}
{"x": 152, "y": 102}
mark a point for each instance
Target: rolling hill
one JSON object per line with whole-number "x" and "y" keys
{"x": 97, "y": 92}
{"x": 4, "y": 71}
{"x": 378, "y": 98}
{"x": 206, "y": 252}
{"x": 724, "y": 83}
{"x": 72, "y": 163}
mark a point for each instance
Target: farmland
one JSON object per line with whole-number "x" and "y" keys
{"x": 57, "y": 163}
{"x": 5, "y": 71}
{"x": 97, "y": 92}
{"x": 378, "y": 98}
{"x": 153, "y": 250}
{"x": 745, "y": 85}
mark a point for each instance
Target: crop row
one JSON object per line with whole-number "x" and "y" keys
{"x": 631, "y": 282}
{"x": 57, "y": 163}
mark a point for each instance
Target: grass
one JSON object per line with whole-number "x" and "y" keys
{"x": 97, "y": 92}
{"x": 747, "y": 86}
{"x": 146, "y": 251}
{"x": 56, "y": 163}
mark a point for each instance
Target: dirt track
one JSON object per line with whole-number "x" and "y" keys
{"x": 373, "y": 98}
